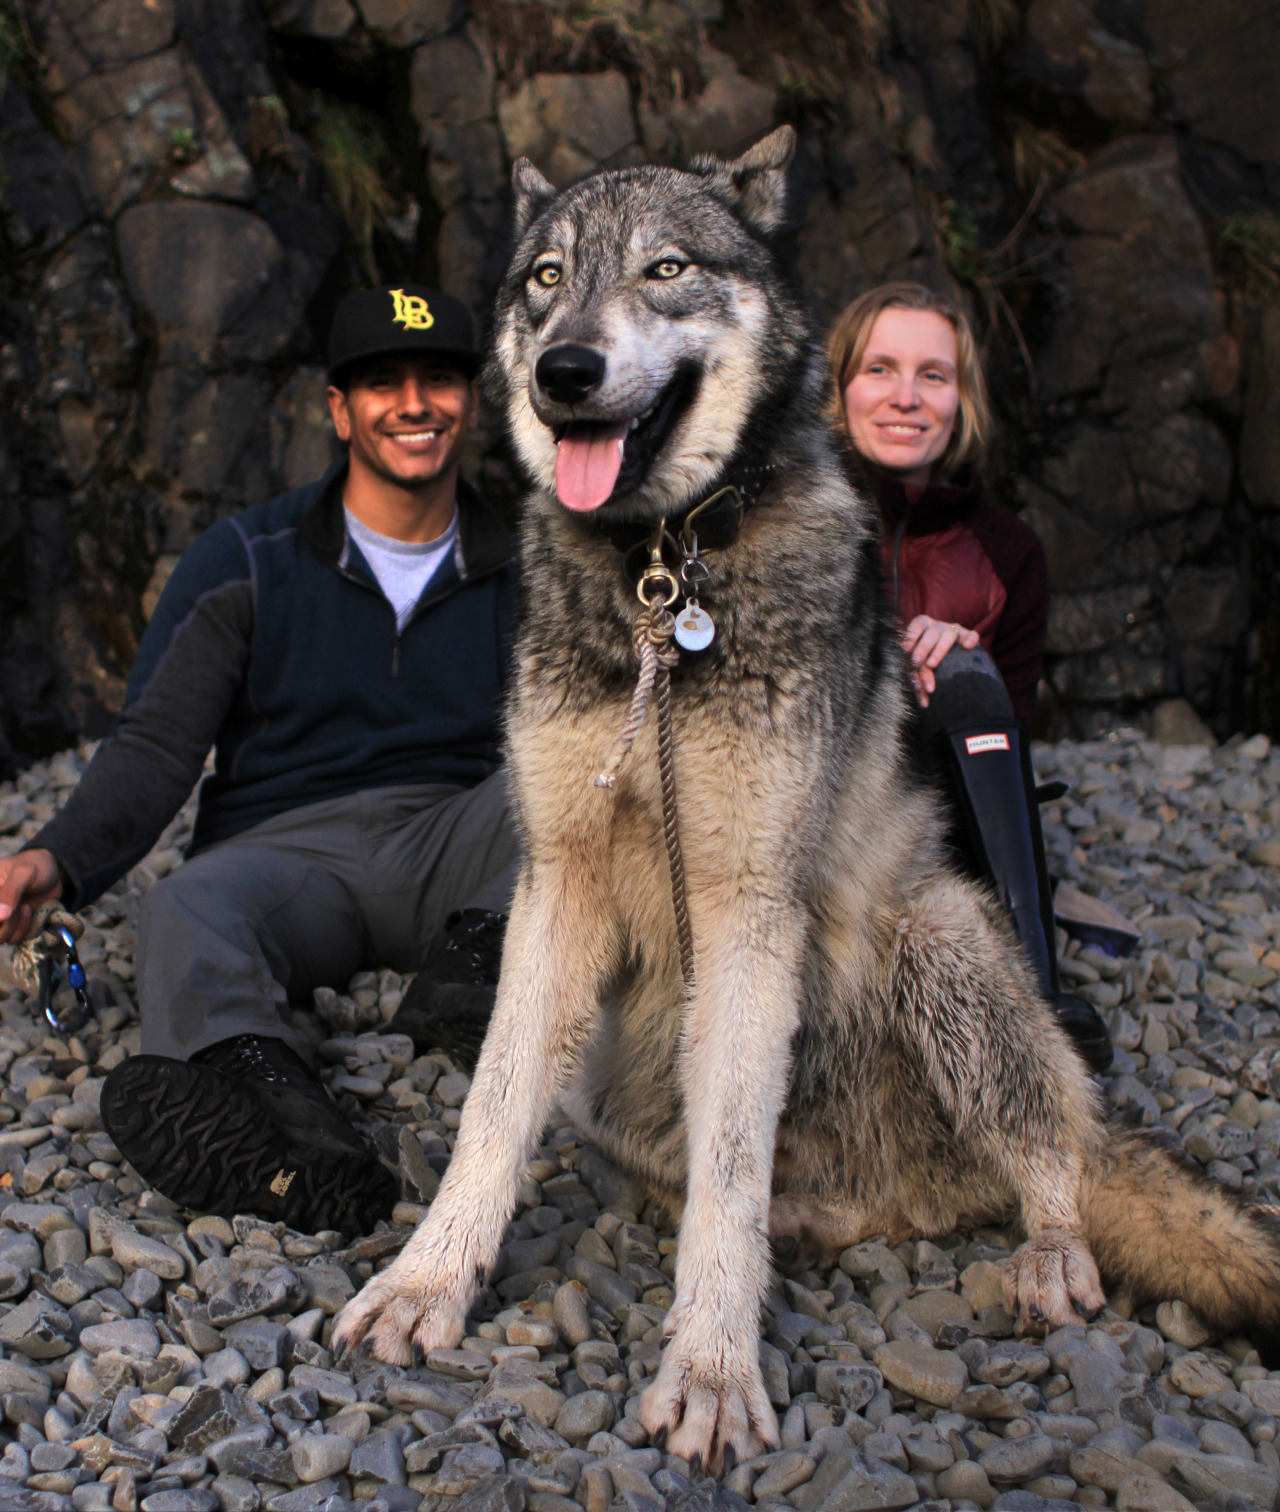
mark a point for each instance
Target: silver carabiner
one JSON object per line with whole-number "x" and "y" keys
{"x": 52, "y": 976}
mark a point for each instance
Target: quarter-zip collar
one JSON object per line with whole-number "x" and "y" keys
{"x": 485, "y": 545}
{"x": 926, "y": 511}
{"x": 937, "y": 507}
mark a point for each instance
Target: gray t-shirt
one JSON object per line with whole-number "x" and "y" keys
{"x": 403, "y": 568}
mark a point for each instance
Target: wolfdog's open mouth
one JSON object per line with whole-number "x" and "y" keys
{"x": 597, "y": 461}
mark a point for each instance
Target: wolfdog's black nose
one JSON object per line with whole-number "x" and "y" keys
{"x": 567, "y": 373}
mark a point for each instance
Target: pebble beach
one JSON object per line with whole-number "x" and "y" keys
{"x": 174, "y": 1362}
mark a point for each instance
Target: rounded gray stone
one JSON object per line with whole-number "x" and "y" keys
{"x": 47, "y": 1457}
{"x": 569, "y": 1308}
{"x": 134, "y": 1337}
{"x": 137, "y": 1251}
{"x": 263, "y": 1343}
{"x": 967, "y": 1480}
{"x": 318, "y": 1456}
{"x": 192, "y": 1499}
{"x": 784, "y": 1473}
{"x": 929, "y": 1374}
{"x": 228, "y": 1367}
{"x": 1018, "y": 1459}
{"x": 236, "y": 1494}
{"x": 327, "y": 1287}
{"x": 1097, "y": 1380}
{"x": 451, "y": 1090}
{"x": 588, "y": 1413}
{"x": 67, "y": 1247}
{"x": 143, "y": 1289}
{"x": 1215, "y": 1438}
{"x": 604, "y": 1285}
{"x": 1182, "y": 1324}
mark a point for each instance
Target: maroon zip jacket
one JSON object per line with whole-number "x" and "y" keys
{"x": 955, "y": 555}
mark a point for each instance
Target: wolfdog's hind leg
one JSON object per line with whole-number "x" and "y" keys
{"x": 1016, "y": 1093}
{"x": 1049, "y": 1279}
{"x": 822, "y": 1227}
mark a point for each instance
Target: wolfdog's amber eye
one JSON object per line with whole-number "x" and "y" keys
{"x": 548, "y": 275}
{"x": 669, "y": 267}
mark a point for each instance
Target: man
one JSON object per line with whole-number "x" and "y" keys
{"x": 344, "y": 648}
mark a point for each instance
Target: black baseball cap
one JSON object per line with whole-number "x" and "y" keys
{"x": 402, "y": 318}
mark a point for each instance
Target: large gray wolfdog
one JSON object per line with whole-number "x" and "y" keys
{"x": 862, "y": 1051}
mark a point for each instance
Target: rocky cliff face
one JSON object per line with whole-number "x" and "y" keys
{"x": 190, "y": 185}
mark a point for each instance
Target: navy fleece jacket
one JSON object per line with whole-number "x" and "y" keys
{"x": 273, "y": 642}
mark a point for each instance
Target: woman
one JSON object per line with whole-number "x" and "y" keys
{"x": 969, "y": 585}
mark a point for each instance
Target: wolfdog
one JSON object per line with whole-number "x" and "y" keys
{"x": 860, "y": 1050}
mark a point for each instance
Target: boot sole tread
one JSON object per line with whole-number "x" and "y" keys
{"x": 204, "y": 1140}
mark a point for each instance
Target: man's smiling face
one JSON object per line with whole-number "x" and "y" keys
{"x": 406, "y": 418}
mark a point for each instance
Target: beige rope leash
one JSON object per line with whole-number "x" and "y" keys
{"x": 647, "y": 651}
{"x": 653, "y": 639}
{"x": 670, "y": 817}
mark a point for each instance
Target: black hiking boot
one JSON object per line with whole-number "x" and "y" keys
{"x": 245, "y": 1127}
{"x": 991, "y": 765}
{"x": 450, "y": 1001}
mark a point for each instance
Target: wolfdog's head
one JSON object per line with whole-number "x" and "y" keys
{"x": 643, "y": 327}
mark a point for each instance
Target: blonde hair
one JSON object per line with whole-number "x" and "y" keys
{"x": 847, "y": 345}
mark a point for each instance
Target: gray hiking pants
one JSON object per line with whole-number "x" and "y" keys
{"x": 248, "y": 928}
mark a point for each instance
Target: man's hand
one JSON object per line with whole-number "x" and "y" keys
{"x": 928, "y": 641}
{"x": 26, "y": 881}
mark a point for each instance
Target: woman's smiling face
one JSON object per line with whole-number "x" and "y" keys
{"x": 902, "y": 402}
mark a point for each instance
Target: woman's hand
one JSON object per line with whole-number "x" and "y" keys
{"x": 928, "y": 641}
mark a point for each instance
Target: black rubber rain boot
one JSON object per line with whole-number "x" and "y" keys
{"x": 996, "y": 786}
{"x": 450, "y": 1001}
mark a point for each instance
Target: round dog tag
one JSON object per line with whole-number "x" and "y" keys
{"x": 695, "y": 629}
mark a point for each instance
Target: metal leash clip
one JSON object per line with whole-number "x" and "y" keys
{"x": 657, "y": 580}
{"x": 53, "y": 973}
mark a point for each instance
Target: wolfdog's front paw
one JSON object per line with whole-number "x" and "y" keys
{"x": 391, "y": 1314}
{"x": 715, "y": 1413}
{"x": 1052, "y": 1280}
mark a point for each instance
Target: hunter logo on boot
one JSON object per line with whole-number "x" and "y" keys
{"x": 975, "y": 744}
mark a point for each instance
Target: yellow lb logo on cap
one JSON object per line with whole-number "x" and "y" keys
{"x": 411, "y": 311}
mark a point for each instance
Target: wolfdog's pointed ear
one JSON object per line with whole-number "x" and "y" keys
{"x": 533, "y": 194}
{"x": 756, "y": 183}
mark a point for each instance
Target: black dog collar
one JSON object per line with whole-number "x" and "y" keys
{"x": 713, "y": 524}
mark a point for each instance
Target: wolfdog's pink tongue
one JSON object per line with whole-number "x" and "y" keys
{"x": 587, "y": 465}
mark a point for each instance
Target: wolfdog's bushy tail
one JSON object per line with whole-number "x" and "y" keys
{"x": 1162, "y": 1229}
